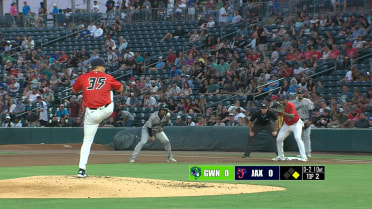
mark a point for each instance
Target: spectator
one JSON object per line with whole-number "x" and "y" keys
{"x": 43, "y": 111}
{"x": 159, "y": 65}
{"x": 20, "y": 107}
{"x": 179, "y": 32}
{"x": 54, "y": 122}
{"x": 33, "y": 96}
{"x": 186, "y": 90}
{"x": 79, "y": 122}
{"x": 171, "y": 58}
{"x": 362, "y": 122}
{"x": 153, "y": 89}
{"x": 149, "y": 101}
{"x": 324, "y": 119}
{"x": 8, "y": 122}
{"x": 230, "y": 120}
{"x": 128, "y": 119}
{"x": 98, "y": 32}
{"x": 73, "y": 110}
{"x": 14, "y": 13}
{"x": 62, "y": 112}
{"x": 213, "y": 88}
{"x": 223, "y": 15}
{"x": 174, "y": 90}
{"x": 132, "y": 101}
{"x": 13, "y": 86}
{"x": 174, "y": 72}
{"x": 228, "y": 88}
{"x": 210, "y": 23}
{"x": 92, "y": 28}
{"x": 172, "y": 106}
{"x": 189, "y": 121}
{"x": 179, "y": 121}
{"x": 346, "y": 95}
{"x": 354, "y": 115}
{"x": 109, "y": 43}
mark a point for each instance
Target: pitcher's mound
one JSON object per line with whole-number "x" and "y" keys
{"x": 117, "y": 187}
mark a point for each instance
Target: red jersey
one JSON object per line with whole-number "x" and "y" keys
{"x": 96, "y": 87}
{"x": 171, "y": 58}
{"x": 291, "y": 109}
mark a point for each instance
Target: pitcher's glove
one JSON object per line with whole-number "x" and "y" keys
{"x": 277, "y": 107}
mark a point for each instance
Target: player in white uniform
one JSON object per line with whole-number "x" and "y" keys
{"x": 291, "y": 124}
{"x": 304, "y": 109}
{"x": 154, "y": 128}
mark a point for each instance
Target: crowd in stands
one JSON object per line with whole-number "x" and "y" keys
{"x": 258, "y": 62}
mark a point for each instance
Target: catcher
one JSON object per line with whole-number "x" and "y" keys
{"x": 154, "y": 128}
{"x": 262, "y": 119}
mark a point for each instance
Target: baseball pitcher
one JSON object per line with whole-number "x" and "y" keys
{"x": 292, "y": 123}
{"x": 154, "y": 128}
{"x": 98, "y": 102}
{"x": 305, "y": 108}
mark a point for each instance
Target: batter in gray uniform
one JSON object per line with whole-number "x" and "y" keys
{"x": 154, "y": 128}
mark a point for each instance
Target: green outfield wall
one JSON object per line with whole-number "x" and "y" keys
{"x": 193, "y": 138}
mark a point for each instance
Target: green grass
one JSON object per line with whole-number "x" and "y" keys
{"x": 346, "y": 186}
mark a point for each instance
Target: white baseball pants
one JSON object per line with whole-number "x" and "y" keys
{"x": 145, "y": 138}
{"x": 92, "y": 119}
{"x": 285, "y": 131}
{"x": 306, "y": 139}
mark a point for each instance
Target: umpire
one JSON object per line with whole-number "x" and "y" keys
{"x": 261, "y": 120}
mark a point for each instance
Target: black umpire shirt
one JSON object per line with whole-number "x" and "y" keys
{"x": 263, "y": 119}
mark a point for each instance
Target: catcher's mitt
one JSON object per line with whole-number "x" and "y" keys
{"x": 277, "y": 107}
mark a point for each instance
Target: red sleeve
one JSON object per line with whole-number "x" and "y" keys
{"x": 116, "y": 85}
{"x": 77, "y": 85}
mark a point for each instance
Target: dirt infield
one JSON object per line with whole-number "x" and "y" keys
{"x": 68, "y": 154}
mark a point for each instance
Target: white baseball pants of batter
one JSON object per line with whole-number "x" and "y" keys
{"x": 306, "y": 139}
{"x": 285, "y": 131}
{"x": 92, "y": 119}
{"x": 145, "y": 138}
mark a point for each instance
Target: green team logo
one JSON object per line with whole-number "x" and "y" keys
{"x": 195, "y": 171}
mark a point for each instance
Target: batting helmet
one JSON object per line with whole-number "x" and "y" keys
{"x": 163, "y": 107}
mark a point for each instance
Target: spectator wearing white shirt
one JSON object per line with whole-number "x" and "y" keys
{"x": 298, "y": 70}
{"x": 210, "y": 23}
{"x": 223, "y": 14}
{"x": 33, "y": 96}
{"x": 189, "y": 121}
{"x": 238, "y": 114}
{"x": 95, "y": 7}
{"x": 92, "y": 28}
{"x": 149, "y": 101}
{"x": 98, "y": 32}
{"x": 174, "y": 90}
{"x": 123, "y": 44}
{"x": 237, "y": 18}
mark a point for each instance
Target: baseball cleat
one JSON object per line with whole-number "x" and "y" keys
{"x": 132, "y": 161}
{"x": 308, "y": 156}
{"x": 82, "y": 174}
{"x": 171, "y": 160}
{"x": 245, "y": 156}
{"x": 278, "y": 159}
{"x": 303, "y": 159}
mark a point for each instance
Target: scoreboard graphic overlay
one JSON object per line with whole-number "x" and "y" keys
{"x": 238, "y": 173}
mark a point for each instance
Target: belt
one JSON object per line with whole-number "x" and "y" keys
{"x": 98, "y": 108}
{"x": 304, "y": 119}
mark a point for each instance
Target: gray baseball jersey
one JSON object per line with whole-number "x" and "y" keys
{"x": 303, "y": 107}
{"x": 155, "y": 123}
